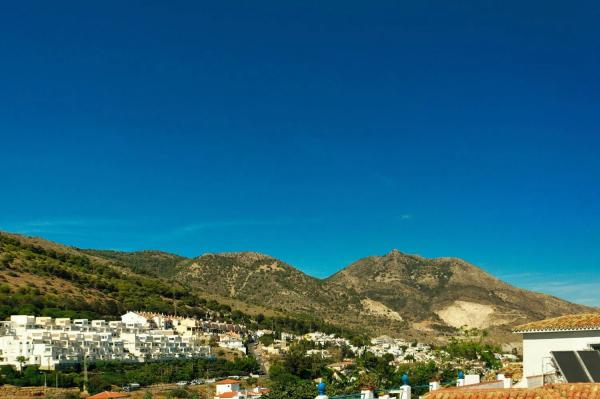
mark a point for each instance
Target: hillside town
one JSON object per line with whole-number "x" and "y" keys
{"x": 139, "y": 336}
{"x": 561, "y": 350}
{"x": 143, "y": 336}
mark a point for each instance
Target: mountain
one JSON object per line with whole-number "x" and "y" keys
{"x": 436, "y": 293}
{"x": 395, "y": 294}
{"x": 263, "y": 280}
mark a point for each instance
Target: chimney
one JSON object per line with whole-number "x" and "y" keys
{"x": 506, "y": 378}
{"x": 434, "y": 386}
{"x": 366, "y": 393}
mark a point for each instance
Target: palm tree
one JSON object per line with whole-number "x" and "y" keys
{"x": 22, "y": 360}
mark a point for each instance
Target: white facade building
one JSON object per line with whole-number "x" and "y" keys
{"x": 566, "y": 333}
{"x": 232, "y": 342}
{"x": 227, "y": 385}
{"x": 27, "y": 340}
{"x": 230, "y": 389}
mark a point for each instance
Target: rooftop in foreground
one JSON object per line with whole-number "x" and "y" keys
{"x": 586, "y": 321}
{"x": 554, "y": 391}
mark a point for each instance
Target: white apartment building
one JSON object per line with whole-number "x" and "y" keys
{"x": 231, "y": 342}
{"x": 28, "y": 340}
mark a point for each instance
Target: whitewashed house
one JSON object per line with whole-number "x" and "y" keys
{"x": 543, "y": 340}
{"x": 228, "y": 385}
{"x": 232, "y": 342}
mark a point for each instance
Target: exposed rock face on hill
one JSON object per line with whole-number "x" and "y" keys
{"x": 395, "y": 294}
{"x": 266, "y": 281}
{"x": 446, "y": 291}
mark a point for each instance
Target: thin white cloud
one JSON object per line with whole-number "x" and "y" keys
{"x": 66, "y": 226}
{"x": 221, "y": 224}
{"x": 576, "y": 287}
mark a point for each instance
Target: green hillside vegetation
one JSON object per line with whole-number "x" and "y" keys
{"x": 155, "y": 263}
{"x": 104, "y": 374}
{"x": 93, "y": 289}
{"x": 44, "y": 279}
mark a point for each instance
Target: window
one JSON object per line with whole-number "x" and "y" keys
{"x": 595, "y": 347}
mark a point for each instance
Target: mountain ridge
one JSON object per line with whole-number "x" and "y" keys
{"x": 395, "y": 293}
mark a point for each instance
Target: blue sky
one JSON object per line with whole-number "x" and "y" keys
{"x": 317, "y": 132}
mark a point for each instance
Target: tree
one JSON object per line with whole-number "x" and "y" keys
{"x": 266, "y": 339}
{"x": 22, "y": 360}
{"x": 298, "y": 389}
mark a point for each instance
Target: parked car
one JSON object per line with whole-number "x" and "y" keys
{"x": 132, "y": 386}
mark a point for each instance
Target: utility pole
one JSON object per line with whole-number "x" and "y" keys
{"x": 174, "y": 302}
{"x": 85, "y": 374}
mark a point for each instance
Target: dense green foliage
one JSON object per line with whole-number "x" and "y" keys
{"x": 110, "y": 291}
{"x": 154, "y": 263}
{"x": 293, "y": 377}
{"x": 267, "y": 339}
{"x": 104, "y": 374}
{"x": 474, "y": 350}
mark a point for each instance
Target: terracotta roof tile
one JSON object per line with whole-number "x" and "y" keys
{"x": 555, "y": 391}
{"x": 227, "y": 381}
{"x": 228, "y": 395}
{"x": 586, "y": 321}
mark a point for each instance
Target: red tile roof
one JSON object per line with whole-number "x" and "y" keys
{"x": 227, "y": 381}
{"x": 108, "y": 395}
{"x": 228, "y": 395}
{"x": 555, "y": 391}
{"x": 586, "y": 321}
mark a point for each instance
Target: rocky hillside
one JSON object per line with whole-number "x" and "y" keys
{"x": 260, "y": 279}
{"x": 395, "y": 294}
{"x": 44, "y": 278}
{"x": 433, "y": 294}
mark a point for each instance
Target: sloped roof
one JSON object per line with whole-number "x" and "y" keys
{"x": 554, "y": 391}
{"x": 228, "y": 395}
{"x": 108, "y": 395}
{"x": 227, "y": 381}
{"x": 586, "y": 321}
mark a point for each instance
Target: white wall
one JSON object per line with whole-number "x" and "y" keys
{"x": 133, "y": 318}
{"x": 537, "y": 348}
{"x": 222, "y": 388}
